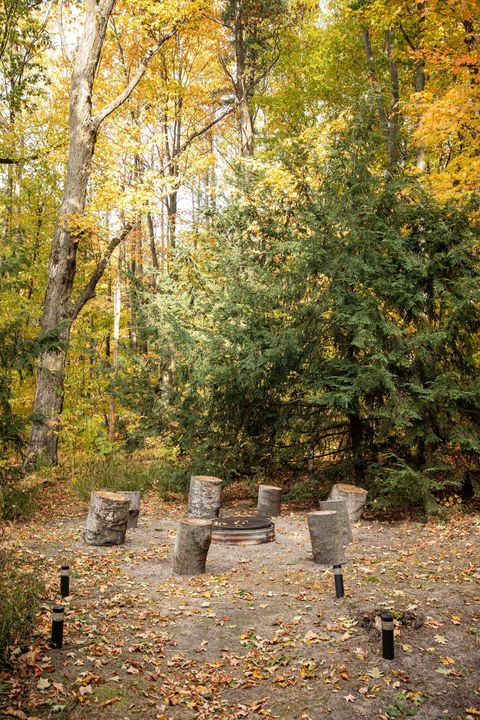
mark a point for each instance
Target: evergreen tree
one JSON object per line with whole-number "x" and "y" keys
{"x": 337, "y": 316}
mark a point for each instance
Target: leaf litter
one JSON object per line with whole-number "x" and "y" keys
{"x": 261, "y": 635}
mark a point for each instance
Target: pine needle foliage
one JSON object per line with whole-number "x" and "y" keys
{"x": 335, "y": 317}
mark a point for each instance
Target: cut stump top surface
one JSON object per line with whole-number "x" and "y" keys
{"x": 207, "y": 478}
{"x": 345, "y": 487}
{"x": 197, "y": 521}
{"x": 107, "y": 495}
{"x": 270, "y": 487}
{"x": 322, "y": 512}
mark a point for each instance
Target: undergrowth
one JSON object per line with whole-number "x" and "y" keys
{"x": 17, "y": 498}
{"x": 20, "y": 591}
{"x": 125, "y": 472}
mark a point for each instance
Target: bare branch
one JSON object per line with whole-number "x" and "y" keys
{"x": 203, "y": 130}
{"x": 407, "y": 39}
{"x": 63, "y": 41}
{"x": 125, "y": 94}
{"x": 227, "y": 72}
{"x": 29, "y": 158}
{"x": 216, "y": 21}
{"x": 89, "y": 290}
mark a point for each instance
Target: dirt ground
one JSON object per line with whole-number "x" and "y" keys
{"x": 261, "y": 635}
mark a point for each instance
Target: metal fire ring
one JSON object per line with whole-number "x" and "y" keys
{"x": 244, "y": 530}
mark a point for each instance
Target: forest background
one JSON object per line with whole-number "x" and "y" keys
{"x": 240, "y": 238}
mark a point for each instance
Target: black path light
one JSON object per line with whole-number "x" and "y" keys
{"x": 388, "y": 650}
{"x": 65, "y": 580}
{"x": 58, "y": 615}
{"x": 338, "y": 575}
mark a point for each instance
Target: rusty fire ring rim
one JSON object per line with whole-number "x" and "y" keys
{"x": 243, "y": 530}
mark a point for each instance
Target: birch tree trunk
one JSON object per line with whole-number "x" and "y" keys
{"x": 59, "y": 312}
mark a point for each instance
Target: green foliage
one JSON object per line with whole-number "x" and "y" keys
{"x": 16, "y": 502}
{"x": 20, "y": 589}
{"x": 169, "y": 478}
{"x": 349, "y": 313}
{"x": 118, "y": 472}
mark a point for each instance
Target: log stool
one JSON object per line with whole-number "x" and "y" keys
{"x": 134, "y": 497}
{"x": 326, "y": 538}
{"x": 107, "y": 519}
{"x": 343, "y": 519}
{"x": 204, "y": 496}
{"x": 191, "y": 546}
{"x": 269, "y": 499}
{"x": 353, "y": 496}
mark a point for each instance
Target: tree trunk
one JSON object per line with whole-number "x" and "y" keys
{"x": 204, "y": 496}
{"x": 191, "y": 546}
{"x": 153, "y": 247}
{"x": 57, "y": 307}
{"x": 241, "y": 84}
{"x": 269, "y": 499}
{"x": 326, "y": 537}
{"x": 382, "y": 113}
{"x": 357, "y": 444}
{"x": 107, "y": 519}
{"x": 340, "y": 508}
{"x": 353, "y": 496}
{"x": 117, "y": 308}
{"x": 420, "y": 80}
{"x": 58, "y": 310}
{"x": 394, "y": 119}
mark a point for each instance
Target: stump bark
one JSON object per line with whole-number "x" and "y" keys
{"x": 326, "y": 538}
{"x": 269, "y": 499}
{"x": 343, "y": 519}
{"x": 204, "y": 496}
{"x": 191, "y": 546}
{"x": 134, "y": 497}
{"x": 353, "y": 496}
{"x": 107, "y": 519}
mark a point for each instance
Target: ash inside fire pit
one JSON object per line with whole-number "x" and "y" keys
{"x": 245, "y": 530}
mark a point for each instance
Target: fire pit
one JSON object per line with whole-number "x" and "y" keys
{"x": 245, "y": 530}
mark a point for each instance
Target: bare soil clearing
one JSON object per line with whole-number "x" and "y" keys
{"x": 261, "y": 635}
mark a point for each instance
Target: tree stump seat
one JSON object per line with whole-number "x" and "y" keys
{"x": 269, "y": 500}
{"x": 353, "y": 496}
{"x": 204, "y": 496}
{"x": 191, "y": 546}
{"x": 326, "y": 537}
{"x": 107, "y": 519}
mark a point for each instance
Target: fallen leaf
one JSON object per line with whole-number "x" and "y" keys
{"x": 15, "y": 713}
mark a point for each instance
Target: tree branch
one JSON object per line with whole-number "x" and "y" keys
{"x": 89, "y": 290}
{"x": 407, "y": 39}
{"x": 63, "y": 41}
{"x": 125, "y": 94}
{"x": 200, "y": 132}
{"x": 29, "y": 158}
